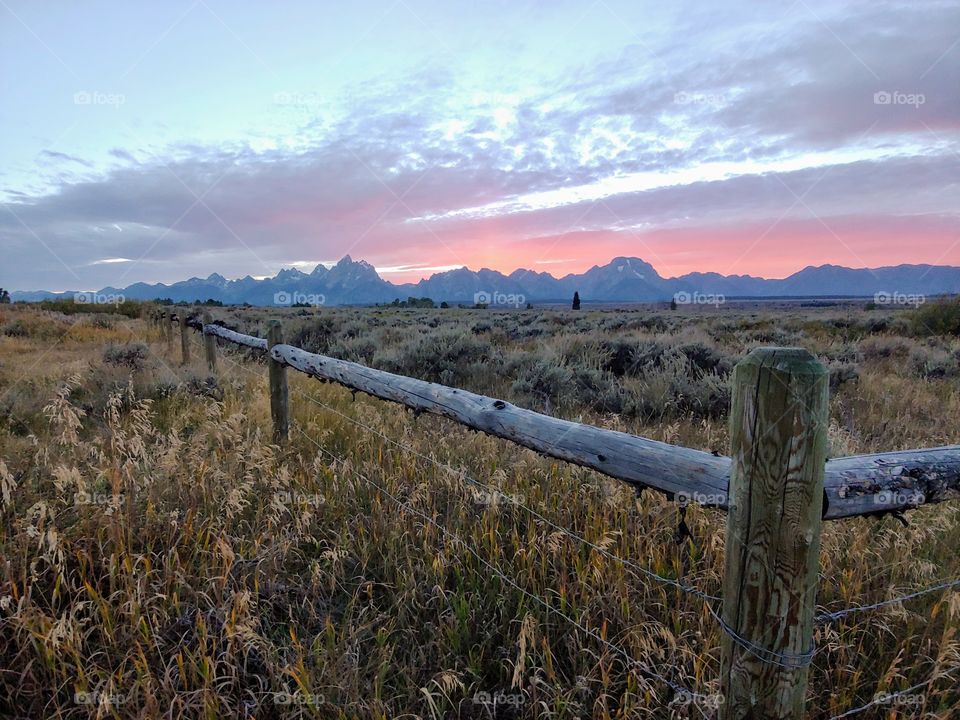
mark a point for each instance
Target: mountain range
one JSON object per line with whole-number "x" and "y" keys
{"x": 623, "y": 279}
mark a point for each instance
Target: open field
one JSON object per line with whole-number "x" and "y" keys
{"x": 162, "y": 559}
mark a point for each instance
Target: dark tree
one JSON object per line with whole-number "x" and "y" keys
{"x": 576, "y": 300}
{"x": 673, "y": 304}
{"x": 4, "y": 297}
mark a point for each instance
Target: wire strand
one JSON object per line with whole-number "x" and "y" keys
{"x": 838, "y": 614}
{"x": 886, "y": 698}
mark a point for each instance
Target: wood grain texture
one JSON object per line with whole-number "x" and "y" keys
{"x": 184, "y": 340}
{"x": 279, "y": 391}
{"x": 235, "y": 337}
{"x": 209, "y": 344}
{"x": 778, "y": 442}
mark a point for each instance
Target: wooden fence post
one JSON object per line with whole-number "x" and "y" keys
{"x": 778, "y": 443}
{"x": 279, "y": 393}
{"x": 184, "y": 339}
{"x": 210, "y": 345}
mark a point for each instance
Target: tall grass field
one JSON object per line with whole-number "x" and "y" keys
{"x": 160, "y": 557}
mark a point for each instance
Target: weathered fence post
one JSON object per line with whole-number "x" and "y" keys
{"x": 210, "y": 344}
{"x": 184, "y": 338}
{"x": 279, "y": 393}
{"x": 164, "y": 325}
{"x": 778, "y": 444}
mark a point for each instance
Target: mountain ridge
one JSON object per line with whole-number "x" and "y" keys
{"x": 623, "y": 279}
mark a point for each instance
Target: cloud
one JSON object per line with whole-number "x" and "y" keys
{"x": 55, "y": 156}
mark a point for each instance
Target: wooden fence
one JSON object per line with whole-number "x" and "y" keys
{"x": 776, "y": 486}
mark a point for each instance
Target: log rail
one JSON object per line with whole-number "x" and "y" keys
{"x": 877, "y": 483}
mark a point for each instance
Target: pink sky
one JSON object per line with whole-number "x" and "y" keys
{"x": 765, "y": 249}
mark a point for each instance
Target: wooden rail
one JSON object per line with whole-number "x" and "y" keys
{"x": 777, "y": 487}
{"x": 853, "y": 485}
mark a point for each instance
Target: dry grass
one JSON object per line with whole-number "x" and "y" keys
{"x": 162, "y": 559}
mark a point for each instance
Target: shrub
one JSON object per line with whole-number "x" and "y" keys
{"x": 931, "y": 363}
{"x": 15, "y": 328}
{"x": 842, "y": 374}
{"x": 554, "y": 383}
{"x": 443, "y": 356}
{"x": 881, "y": 348}
{"x": 131, "y": 355}
{"x": 937, "y": 318}
{"x": 705, "y": 359}
{"x": 315, "y": 336}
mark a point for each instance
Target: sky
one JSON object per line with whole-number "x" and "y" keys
{"x": 152, "y": 142}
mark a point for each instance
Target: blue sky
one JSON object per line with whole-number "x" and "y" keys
{"x": 154, "y": 141}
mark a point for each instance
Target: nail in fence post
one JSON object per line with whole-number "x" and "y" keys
{"x": 778, "y": 443}
{"x": 184, "y": 338}
{"x": 210, "y": 345}
{"x": 279, "y": 394}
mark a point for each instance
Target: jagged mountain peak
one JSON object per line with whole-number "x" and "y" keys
{"x": 288, "y": 273}
{"x": 623, "y": 279}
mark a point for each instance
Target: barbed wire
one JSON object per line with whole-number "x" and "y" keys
{"x": 886, "y": 698}
{"x": 838, "y": 614}
{"x": 791, "y": 661}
